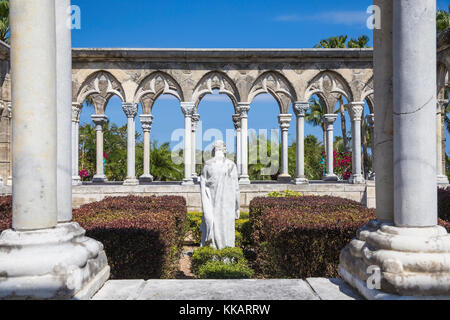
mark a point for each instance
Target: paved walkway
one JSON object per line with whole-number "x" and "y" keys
{"x": 285, "y": 289}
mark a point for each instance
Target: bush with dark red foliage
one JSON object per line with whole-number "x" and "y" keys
{"x": 5, "y": 212}
{"x": 300, "y": 237}
{"x": 143, "y": 236}
{"x": 444, "y": 204}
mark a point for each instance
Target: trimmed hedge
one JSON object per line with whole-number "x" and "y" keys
{"x": 5, "y": 212}
{"x": 143, "y": 236}
{"x": 300, "y": 237}
{"x": 444, "y": 204}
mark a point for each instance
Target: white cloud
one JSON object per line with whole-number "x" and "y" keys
{"x": 328, "y": 17}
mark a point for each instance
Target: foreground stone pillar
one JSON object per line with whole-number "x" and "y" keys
{"x": 300, "y": 109}
{"x": 40, "y": 259}
{"x": 441, "y": 174}
{"x": 64, "y": 110}
{"x": 356, "y": 110}
{"x": 146, "y": 122}
{"x": 9, "y": 109}
{"x": 243, "y": 110}
{"x": 237, "y": 128}
{"x": 99, "y": 121}
{"x": 409, "y": 258}
{"x": 371, "y": 122}
{"x": 188, "y": 109}
{"x": 76, "y": 112}
{"x": 195, "y": 120}
{"x": 285, "y": 121}
{"x": 329, "y": 121}
{"x": 130, "y": 110}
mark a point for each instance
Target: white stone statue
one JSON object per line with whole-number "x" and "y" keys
{"x": 220, "y": 199}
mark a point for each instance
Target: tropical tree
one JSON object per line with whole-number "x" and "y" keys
{"x": 4, "y": 20}
{"x": 361, "y": 42}
{"x": 315, "y": 117}
{"x": 332, "y": 42}
{"x": 313, "y": 157}
{"x": 162, "y": 166}
{"x": 442, "y": 20}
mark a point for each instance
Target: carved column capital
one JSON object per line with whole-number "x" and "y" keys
{"x": 236, "y": 121}
{"x": 356, "y": 110}
{"x": 329, "y": 120}
{"x": 130, "y": 109}
{"x": 9, "y": 109}
{"x": 188, "y": 108}
{"x": 300, "y": 108}
{"x": 76, "y": 112}
{"x": 146, "y": 122}
{"x": 243, "y": 109}
{"x": 2, "y": 108}
{"x": 285, "y": 121}
{"x": 441, "y": 104}
{"x": 195, "y": 120}
{"x": 99, "y": 120}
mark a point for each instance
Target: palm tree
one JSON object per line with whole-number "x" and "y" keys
{"x": 332, "y": 42}
{"x": 4, "y": 20}
{"x": 315, "y": 117}
{"x": 163, "y": 168}
{"x": 361, "y": 42}
{"x": 442, "y": 20}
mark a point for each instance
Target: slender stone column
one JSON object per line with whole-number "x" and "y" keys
{"x": 285, "y": 121}
{"x": 76, "y": 112}
{"x": 9, "y": 108}
{"x": 371, "y": 121}
{"x": 300, "y": 109}
{"x": 243, "y": 110}
{"x": 188, "y": 109}
{"x": 2, "y": 109}
{"x": 329, "y": 121}
{"x": 195, "y": 120}
{"x": 146, "y": 122}
{"x": 441, "y": 176}
{"x": 99, "y": 121}
{"x": 415, "y": 202}
{"x": 237, "y": 128}
{"x": 356, "y": 109}
{"x": 130, "y": 110}
{"x": 64, "y": 110}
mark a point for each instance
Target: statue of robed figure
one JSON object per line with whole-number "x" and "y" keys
{"x": 220, "y": 199}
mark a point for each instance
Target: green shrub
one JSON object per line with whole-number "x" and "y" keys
{"x": 444, "y": 204}
{"x": 284, "y": 194}
{"x": 194, "y": 220}
{"x": 143, "y": 236}
{"x": 228, "y": 263}
{"x": 223, "y": 270}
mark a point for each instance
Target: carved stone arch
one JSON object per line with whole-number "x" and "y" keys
{"x": 216, "y": 80}
{"x": 154, "y": 85}
{"x": 101, "y": 85}
{"x": 278, "y": 86}
{"x": 330, "y": 86}
{"x": 367, "y": 90}
{"x": 370, "y": 102}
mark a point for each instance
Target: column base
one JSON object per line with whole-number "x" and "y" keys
{"x": 244, "y": 180}
{"x": 76, "y": 180}
{"x": 441, "y": 179}
{"x": 372, "y": 176}
{"x": 187, "y": 182}
{"x": 57, "y": 263}
{"x": 300, "y": 180}
{"x": 131, "y": 182}
{"x": 99, "y": 179}
{"x": 357, "y": 179}
{"x": 330, "y": 177}
{"x": 413, "y": 263}
{"x": 195, "y": 178}
{"x": 146, "y": 178}
{"x": 284, "y": 178}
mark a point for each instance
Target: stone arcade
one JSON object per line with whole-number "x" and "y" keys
{"x": 46, "y": 255}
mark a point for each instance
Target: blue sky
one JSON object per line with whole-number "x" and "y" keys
{"x": 216, "y": 24}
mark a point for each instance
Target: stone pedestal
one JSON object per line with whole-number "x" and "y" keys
{"x": 57, "y": 263}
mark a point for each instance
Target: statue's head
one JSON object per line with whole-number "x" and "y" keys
{"x": 219, "y": 145}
